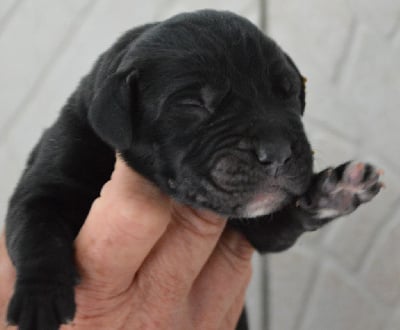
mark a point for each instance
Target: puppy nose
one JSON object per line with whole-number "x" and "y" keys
{"x": 273, "y": 151}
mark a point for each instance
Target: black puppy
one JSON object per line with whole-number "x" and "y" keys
{"x": 207, "y": 108}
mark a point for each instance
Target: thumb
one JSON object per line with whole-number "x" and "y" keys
{"x": 123, "y": 225}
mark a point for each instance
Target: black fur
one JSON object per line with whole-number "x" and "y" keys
{"x": 206, "y": 107}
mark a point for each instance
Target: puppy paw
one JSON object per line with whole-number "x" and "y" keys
{"x": 339, "y": 191}
{"x": 41, "y": 306}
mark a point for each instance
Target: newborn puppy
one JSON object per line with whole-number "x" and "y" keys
{"x": 207, "y": 108}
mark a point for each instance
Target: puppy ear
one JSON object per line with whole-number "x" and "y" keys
{"x": 302, "y": 95}
{"x": 111, "y": 111}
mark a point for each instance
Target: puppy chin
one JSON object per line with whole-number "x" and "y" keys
{"x": 265, "y": 203}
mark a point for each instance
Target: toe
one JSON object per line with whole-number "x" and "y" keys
{"x": 354, "y": 173}
{"x": 369, "y": 193}
{"x": 329, "y": 181}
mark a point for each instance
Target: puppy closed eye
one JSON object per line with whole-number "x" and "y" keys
{"x": 195, "y": 106}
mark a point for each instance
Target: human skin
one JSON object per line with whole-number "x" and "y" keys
{"x": 148, "y": 262}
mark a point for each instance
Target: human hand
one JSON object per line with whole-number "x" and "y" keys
{"x": 148, "y": 262}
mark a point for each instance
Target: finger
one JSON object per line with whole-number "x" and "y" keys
{"x": 222, "y": 280}
{"x": 7, "y": 276}
{"x": 231, "y": 319}
{"x": 123, "y": 225}
{"x": 171, "y": 268}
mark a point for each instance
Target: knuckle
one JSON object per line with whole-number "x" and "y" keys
{"x": 203, "y": 224}
{"x": 237, "y": 251}
{"x": 162, "y": 288}
{"x": 105, "y": 190}
{"x": 129, "y": 218}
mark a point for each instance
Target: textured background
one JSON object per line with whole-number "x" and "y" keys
{"x": 346, "y": 276}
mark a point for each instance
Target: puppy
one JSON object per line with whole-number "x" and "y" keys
{"x": 207, "y": 108}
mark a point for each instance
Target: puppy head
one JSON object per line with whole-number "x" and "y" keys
{"x": 209, "y": 109}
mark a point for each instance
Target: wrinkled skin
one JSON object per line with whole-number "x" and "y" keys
{"x": 208, "y": 109}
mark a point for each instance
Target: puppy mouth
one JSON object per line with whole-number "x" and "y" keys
{"x": 256, "y": 199}
{"x": 240, "y": 188}
{"x": 256, "y": 194}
